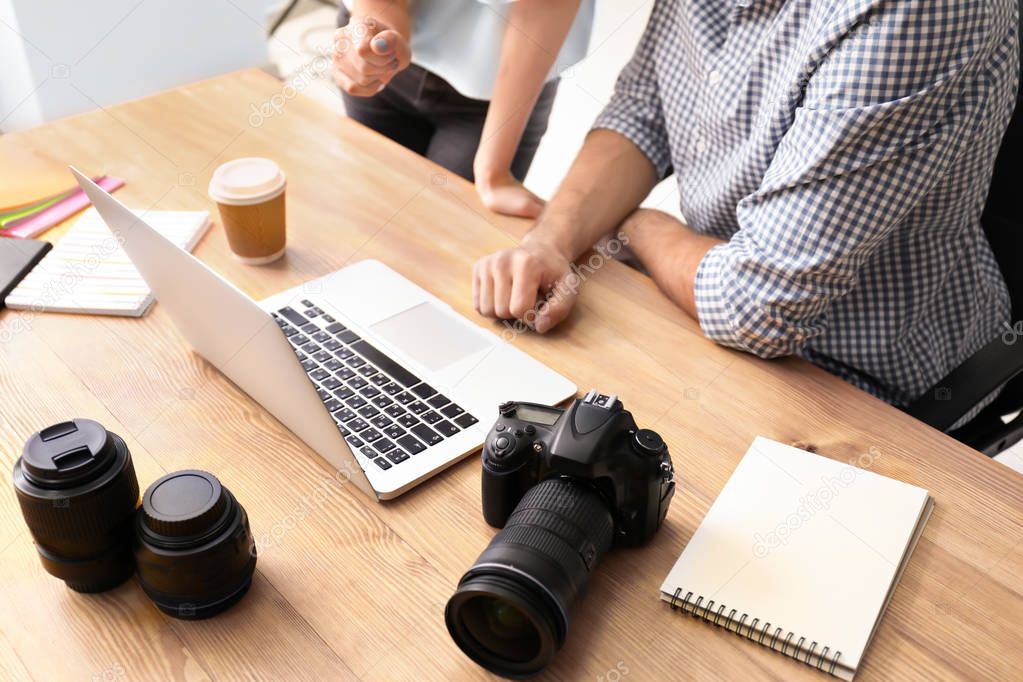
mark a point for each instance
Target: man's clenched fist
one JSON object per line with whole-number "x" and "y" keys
{"x": 524, "y": 283}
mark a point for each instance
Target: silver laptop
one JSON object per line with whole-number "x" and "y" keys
{"x": 385, "y": 381}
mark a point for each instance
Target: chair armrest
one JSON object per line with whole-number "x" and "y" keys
{"x": 969, "y": 383}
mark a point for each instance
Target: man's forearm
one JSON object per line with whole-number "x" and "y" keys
{"x": 670, "y": 252}
{"x": 607, "y": 181}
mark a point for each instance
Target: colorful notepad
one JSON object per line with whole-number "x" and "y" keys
{"x": 801, "y": 554}
{"x": 88, "y": 271}
{"x": 44, "y": 215}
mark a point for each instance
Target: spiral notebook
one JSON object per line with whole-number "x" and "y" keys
{"x": 801, "y": 554}
{"x": 88, "y": 271}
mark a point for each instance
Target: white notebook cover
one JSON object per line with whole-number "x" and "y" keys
{"x": 811, "y": 545}
{"x": 87, "y": 271}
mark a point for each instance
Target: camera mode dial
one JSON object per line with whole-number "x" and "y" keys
{"x": 647, "y": 442}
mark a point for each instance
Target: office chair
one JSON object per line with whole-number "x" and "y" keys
{"x": 1000, "y": 361}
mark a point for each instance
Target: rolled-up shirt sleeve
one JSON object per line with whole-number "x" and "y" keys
{"x": 871, "y": 139}
{"x": 635, "y": 107}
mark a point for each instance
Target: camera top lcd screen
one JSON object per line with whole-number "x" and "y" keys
{"x": 537, "y": 415}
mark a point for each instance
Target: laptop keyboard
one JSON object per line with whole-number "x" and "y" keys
{"x": 384, "y": 411}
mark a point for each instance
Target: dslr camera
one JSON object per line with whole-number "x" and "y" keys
{"x": 565, "y": 485}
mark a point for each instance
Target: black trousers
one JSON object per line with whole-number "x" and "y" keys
{"x": 422, "y": 112}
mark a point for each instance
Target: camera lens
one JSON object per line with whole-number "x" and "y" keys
{"x": 77, "y": 489}
{"x": 194, "y": 550}
{"x": 510, "y": 611}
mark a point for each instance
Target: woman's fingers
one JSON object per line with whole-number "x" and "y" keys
{"x": 357, "y": 68}
{"x": 513, "y": 200}
{"x": 354, "y": 86}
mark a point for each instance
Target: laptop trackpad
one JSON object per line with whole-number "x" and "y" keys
{"x": 430, "y": 335}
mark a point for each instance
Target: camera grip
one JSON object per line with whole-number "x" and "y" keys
{"x": 502, "y": 491}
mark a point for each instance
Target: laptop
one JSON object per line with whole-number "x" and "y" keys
{"x": 382, "y": 379}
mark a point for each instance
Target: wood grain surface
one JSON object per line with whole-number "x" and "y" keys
{"x": 348, "y": 588}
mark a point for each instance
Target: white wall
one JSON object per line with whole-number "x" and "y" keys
{"x": 60, "y": 57}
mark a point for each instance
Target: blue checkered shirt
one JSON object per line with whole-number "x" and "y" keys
{"x": 844, "y": 149}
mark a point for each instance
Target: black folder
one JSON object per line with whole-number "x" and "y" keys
{"x": 17, "y": 258}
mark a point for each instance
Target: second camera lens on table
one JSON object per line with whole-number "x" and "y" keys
{"x": 194, "y": 550}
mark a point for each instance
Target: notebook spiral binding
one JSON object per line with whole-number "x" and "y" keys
{"x": 755, "y": 632}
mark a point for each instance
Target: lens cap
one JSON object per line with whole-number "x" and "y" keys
{"x": 194, "y": 550}
{"x": 77, "y": 489}
{"x": 67, "y": 454}
{"x": 184, "y": 506}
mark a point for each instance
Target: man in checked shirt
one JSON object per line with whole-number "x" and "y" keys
{"x": 832, "y": 160}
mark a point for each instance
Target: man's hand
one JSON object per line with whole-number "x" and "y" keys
{"x": 502, "y": 193}
{"x": 535, "y": 282}
{"x": 367, "y": 55}
{"x": 524, "y": 283}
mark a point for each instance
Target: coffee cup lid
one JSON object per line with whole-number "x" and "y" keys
{"x": 249, "y": 180}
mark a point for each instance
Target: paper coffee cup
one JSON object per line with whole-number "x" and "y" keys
{"x": 250, "y": 196}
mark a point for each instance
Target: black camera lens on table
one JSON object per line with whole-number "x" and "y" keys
{"x": 194, "y": 550}
{"x": 77, "y": 489}
{"x": 190, "y": 538}
{"x": 564, "y": 486}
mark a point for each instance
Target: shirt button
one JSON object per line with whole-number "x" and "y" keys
{"x": 714, "y": 77}
{"x": 702, "y": 146}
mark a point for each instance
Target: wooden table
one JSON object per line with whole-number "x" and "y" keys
{"x": 348, "y": 588}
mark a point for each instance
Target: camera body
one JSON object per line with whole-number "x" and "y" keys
{"x": 564, "y": 486}
{"x": 594, "y": 442}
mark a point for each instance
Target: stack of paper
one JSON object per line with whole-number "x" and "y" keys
{"x": 88, "y": 272}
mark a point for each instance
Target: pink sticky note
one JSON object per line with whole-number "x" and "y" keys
{"x": 33, "y": 225}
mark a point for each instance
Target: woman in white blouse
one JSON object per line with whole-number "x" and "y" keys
{"x": 466, "y": 83}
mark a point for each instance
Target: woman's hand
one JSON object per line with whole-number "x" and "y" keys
{"x": 367, "y": 55}
{"x": 502, "y": 193}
